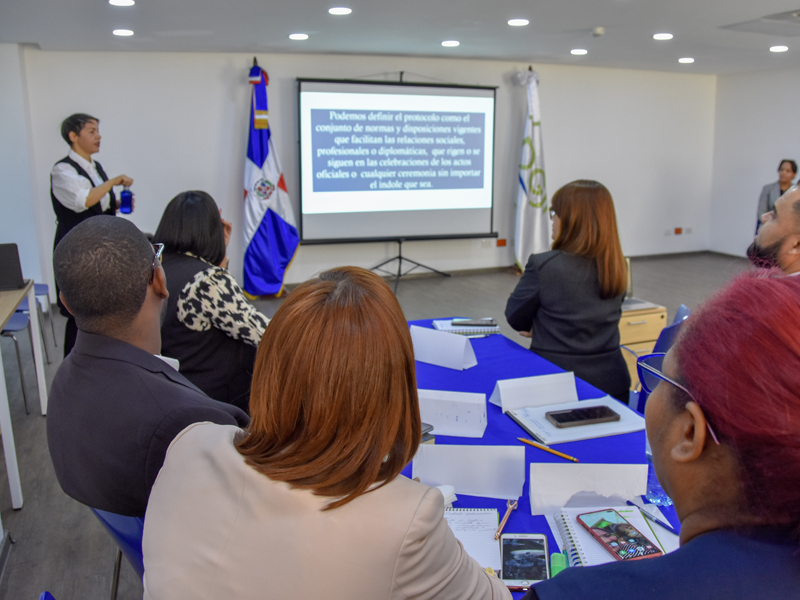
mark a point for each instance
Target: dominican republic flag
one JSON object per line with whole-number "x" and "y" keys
{"x": 533, "y": 222}
{"x": 270, "y": 231}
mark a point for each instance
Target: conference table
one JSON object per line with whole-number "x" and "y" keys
{"x": 501, "y": 358}
{"x": 9, "y": 301}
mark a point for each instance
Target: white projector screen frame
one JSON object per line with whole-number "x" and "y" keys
{"x": 442, "y": 139}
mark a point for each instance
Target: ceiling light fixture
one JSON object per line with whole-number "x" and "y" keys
{"x": 662, "y": 36}
{"x": 340, "y": 10}
{"x": 518, "y": 22}
{"x": 122, "y": 32}
{"x": 578, "y": 51}
{"x": 298, "y": 36}
{"x": 121, "y": 2}
{"x": 779, "y": 49}
{"x": 450, "y": 43}
{"x": 686, "y": 61}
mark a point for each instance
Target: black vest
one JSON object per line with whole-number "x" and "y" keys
{"x": 67, "y": 218}
{"x": 212, "y": 360}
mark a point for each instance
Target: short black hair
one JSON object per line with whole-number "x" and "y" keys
{"x": 102, "y": 268}
{"x": 74, "y": 123}
{"x": 191, "y": 223}
{"x": 791, "y": 164}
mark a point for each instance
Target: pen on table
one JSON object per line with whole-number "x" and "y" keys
{"x": 510, "y": 506}
{"x": 653, "y": 518}
{"x": 546, "y": 449}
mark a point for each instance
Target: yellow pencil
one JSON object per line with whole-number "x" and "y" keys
{"x": 546, "y": 449}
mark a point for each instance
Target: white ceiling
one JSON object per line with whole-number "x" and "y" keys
{"x": 417, "y": 28}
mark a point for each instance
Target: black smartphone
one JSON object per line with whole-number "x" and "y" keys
{"x": 581, "y": 416}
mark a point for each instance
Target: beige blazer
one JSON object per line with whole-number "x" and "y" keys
{"x": 215, "y": 528}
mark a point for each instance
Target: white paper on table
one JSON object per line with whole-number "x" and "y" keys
{"x": 460, "y": 414}
{"x": 557, "y": 388}
{"x": 442, "y": 349}
{"x": 553, "y": 485}
{"x": 487, "y": 471}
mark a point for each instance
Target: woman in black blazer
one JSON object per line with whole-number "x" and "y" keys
{"x": 569, "y": 300}
{"x": 772, "y": 191}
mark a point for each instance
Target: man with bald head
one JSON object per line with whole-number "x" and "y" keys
{"x": 115, "y": 406}
{"x": 778, "y": 241}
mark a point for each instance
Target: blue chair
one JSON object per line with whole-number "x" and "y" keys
{"x": 665, "y": 341}
{"x": 17, "y": 323}
{"x": 127, "y": 533}
{"x": 46, "y": 596}
{"x": 682, "y": 314}
{"x": 23, "y": 308}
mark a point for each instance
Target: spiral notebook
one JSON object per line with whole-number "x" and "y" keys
{"x": 447, "y": 325}
{"x": 582, "y": 549}
{"x": 475, "y": 529}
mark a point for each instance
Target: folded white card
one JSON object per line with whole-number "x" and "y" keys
{"x": 511, "y": 394}
{"x": 552, "y": 485}
{"x": 488, "y": 471}
{"x": 453, "y": 413}
{"x": 442, "y": 349}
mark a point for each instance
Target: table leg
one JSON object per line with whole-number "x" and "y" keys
{"x": 36, "y": 338}
{"x": 8, "y": 442}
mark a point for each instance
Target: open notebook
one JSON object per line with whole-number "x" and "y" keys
{"x": 475, "y": 529}
{"x": 582, "y": 549}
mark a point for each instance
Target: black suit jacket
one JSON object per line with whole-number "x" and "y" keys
{"x": 113, "y": 411}
{"x": 558, "y": 300}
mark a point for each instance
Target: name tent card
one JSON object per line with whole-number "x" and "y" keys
{"x": 459, "y": 414}
{"x": 540, "y": 390}
{"x": 442, "y": 349}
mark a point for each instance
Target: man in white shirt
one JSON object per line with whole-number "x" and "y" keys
{"x": 80, "y": 189}
{"x": 778, "y": 241}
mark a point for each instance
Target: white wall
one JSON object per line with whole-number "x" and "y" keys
{"x": 177, "y": 121}
{"x": 757, "y": 125}
{"x": 18, "y": 224}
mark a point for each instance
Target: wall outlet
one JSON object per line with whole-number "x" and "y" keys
{"x": 487, "y": 243}
{"x": 668, "y": 232}
{"x": 678, "y": 230}
{"x": 501, "y": 242}
{"x": 687, "y": 230}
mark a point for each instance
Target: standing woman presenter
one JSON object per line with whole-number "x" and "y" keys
{"x": 772, "y": 191}
{"x": 80, "y": 189}
{"x": 569, "y": 300}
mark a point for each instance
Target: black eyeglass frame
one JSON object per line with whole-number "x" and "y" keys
{"x": 641, "y": 365}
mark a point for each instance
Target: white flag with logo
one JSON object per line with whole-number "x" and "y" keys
{"x": 533, "y": 220}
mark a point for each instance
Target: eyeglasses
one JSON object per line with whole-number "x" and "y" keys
{"x": 552, "y": 213}
{"x": 649, "y": 368}
{"x": 159, "y": 250}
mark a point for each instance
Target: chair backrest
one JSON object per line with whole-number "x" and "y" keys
{"x": 127, "y": 533}
{"x": 682, "y": 314}
{"x": 46, "y": 596}
{"x": 665, "y": 341}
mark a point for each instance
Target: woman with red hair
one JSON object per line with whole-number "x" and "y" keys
{"x": 569, "y": 300}
{"x": 723, "y": 420}
{"x": 308, "y": 502}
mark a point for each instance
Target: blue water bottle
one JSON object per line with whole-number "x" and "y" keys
{"x": 125, "y": 201}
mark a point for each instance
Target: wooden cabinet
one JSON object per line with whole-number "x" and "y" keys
{"x": 638, "y": 331}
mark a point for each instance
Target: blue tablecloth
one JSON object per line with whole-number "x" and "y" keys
{"x": 500, "y": 358}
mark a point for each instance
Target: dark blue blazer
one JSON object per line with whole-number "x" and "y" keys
{"x": 114, "y": 410}
{"x": 763, "y": 562}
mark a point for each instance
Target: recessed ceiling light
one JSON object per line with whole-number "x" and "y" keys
{"x": 121, "y": 2}
{"x": 578, "y": 51}
{"x": 779, "y": 49}
{"x": 298, "y": 36}
{"x": 122, "y": 32}
{"x": 518, "y": 22}
{"x": 686, "y": 61}
{"x": 662, "y": 36}
{"x": 340, "y": 10}
{"x": 450, "y": 43}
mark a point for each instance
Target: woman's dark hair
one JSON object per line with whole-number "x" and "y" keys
{"x": 791, "y": 164}
{"x": 739, "y": 356}
{"x": 191, "y": 223}
{"x": 589, "y": 228}
{"x": 74, "y": 124}
{"x": 334, "y": 401}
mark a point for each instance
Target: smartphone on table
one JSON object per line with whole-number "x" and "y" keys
{"x": 581, "y": 416}
{"x": 618, "y": 536}
{"x": 525, "y": 560}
